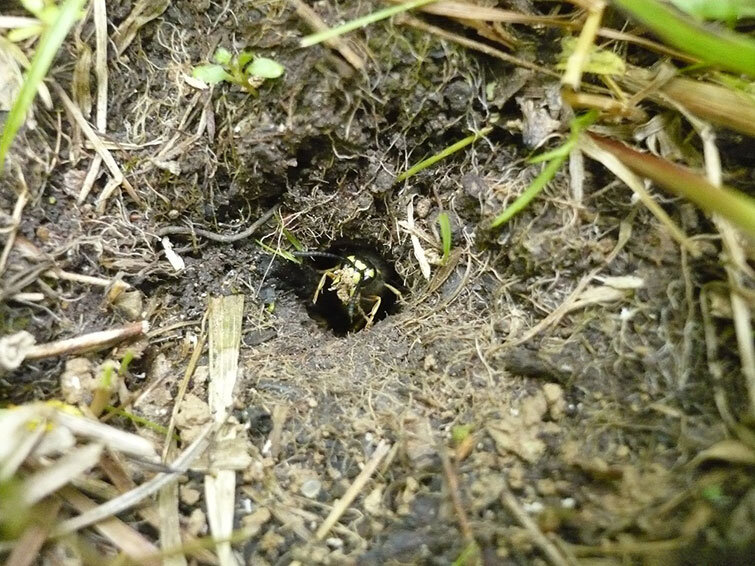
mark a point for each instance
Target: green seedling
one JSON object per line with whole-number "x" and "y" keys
{"x": 445, "y": 234}
{"x": 244, "y": 69}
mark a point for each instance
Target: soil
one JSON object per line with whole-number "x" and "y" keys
{"x": 591, "y": 423}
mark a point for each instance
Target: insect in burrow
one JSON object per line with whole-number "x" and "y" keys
{"x": 356, "y": 283}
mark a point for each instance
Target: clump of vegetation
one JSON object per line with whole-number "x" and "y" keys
{"x": 245, "y": 69}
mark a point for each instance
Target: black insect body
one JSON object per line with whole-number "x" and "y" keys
{"x": 355, "y": 288}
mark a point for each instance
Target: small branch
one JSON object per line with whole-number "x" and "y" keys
{"x": 88, "y": 342}
{"x": 354, "y": 489}
{"x": 549, "y": 550}
{"x": 222, "y": 238}
{"x": 453, "y": 487}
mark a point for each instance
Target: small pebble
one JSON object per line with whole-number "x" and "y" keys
{"x": 310, "y": 488}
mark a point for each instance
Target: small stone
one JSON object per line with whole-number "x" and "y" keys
{"x": 334, "y": 542}
{"x": 173, "y": 214}
{"x": 43, "y": 233}
{"x": 189, "y": 495}
{"x": 430, "y": 363}
{"x": 422, "y": 207}
{"x": 78, "y": 381}
{"x": 311, "y": 488}
{"x": 622, "y": 451}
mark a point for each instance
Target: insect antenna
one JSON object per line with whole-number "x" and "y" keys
{"x": 321, "y": 255}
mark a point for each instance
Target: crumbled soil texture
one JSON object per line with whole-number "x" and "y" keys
{"x": 591, "y": 423}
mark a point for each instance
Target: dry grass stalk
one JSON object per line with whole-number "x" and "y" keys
{"x": 563, "y": 309}
{"x": 549, "y": 550}
{"x": 613, "y": 164}
{"x": 116, "y": 531}
{"x": 471, "y": 44}
{"x": 580, "y": 56}
{"x": 354, "y": 489}
{"x": 338, "y": 43}
{"x": 11, "y": 230}
{"x": 59, "y": 473}
{"x": 101, "y": 72}
{"x": 30, "y": 543}
{"x": 102, "y": 151}
{"x": 452, "y": 479}
{"x": 225, "y": 318}
{"x": 137, "y": 495}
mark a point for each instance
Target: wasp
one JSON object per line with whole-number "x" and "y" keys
{"x": 354, "y": 285}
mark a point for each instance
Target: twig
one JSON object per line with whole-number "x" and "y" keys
{"x": 88, "y": 342}
{"x": 317, "y": 24}
{"x": 87, "y": 279}
{"x": 15, "y": 222}
{"x": 548, "y": 549}
{"x": 453, "y": 487}
{"x": 119, "y": 533}
{"x": 215, "y": 237}
{"x": 354, "y": 489}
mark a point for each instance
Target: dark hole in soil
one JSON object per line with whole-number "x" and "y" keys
{"x": 355, "y": 287}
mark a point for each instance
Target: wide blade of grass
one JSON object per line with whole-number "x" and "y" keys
{"x": 49, "y": 43}
{"x": 325, "y": 35}
{"x": 736, "y": 207}
{"x": 723, "y": 48}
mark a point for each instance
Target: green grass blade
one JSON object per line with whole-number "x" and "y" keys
{"x": 288, "y": 256}
{"x": 445, "y": 234}
{"x": 424, "y": 164}
{"x": 536, "y": 186}
{"x": 49, "y": 43}
{"x": 321, "y": 36}
{"x": 725, "y": 49}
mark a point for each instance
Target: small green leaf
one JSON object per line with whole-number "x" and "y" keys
{"x": 265, "y": 68}
{"x": 244, "y": 57}
{"x": 222, "y": 56}
{"x": 24, "y": 33}
{"x": 601, "y": 62}
{"x": 34, "y": 6}
{"x": 211, "y": 74}
{"x": 459, "y": 433}
{"x": 49, "y": 14}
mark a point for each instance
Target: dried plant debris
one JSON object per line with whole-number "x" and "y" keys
{"x": 459, "y": 284}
